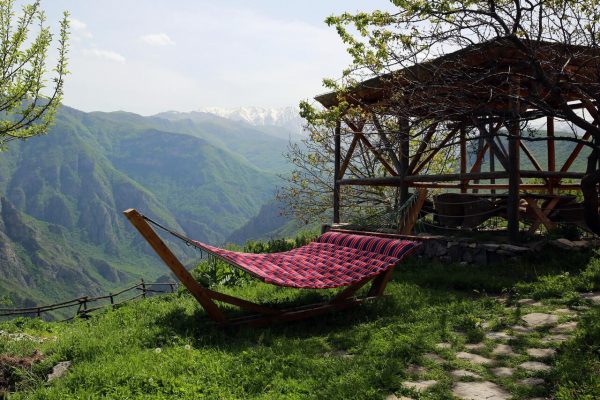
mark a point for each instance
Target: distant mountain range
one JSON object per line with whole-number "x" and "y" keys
{"x": 61, "y": 229}
{"x": 284, "y": 117}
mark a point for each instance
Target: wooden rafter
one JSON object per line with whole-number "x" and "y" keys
{"x": 422, "y": 147}
{"x": 433, "y": 152}
{"x": 372, "y": 148}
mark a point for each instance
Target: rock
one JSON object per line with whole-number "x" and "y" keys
{"x": 563, "y": 311}
{"x": 443, "y": 345}
{"x": 499, "y": 336}
{"x": 59, "y": 370}
{"x": 558, "y": 338}
{"x": 582, "y": 244}
{"x": 563, "y": 243}
{"x": 503, "y": 350}
{"x": 564, "y": 328}
{"x": 593, "y": 297}
{"x": 479, "y": 391}
{"x": 502, "y": 372}
{"x": 526, "y": 301}
{"x": 434, "y": 357}
{"x": 463, "y": 373}
{"x": 474, "y": 358}
{"x": 520, "y": 329}
{"x": 537, "y": 320}
{"x": 394, "y": 397}
{"x": 532, "y": 381}
{"x": 514, "y": 249}
{"x": 535, "y": 366}
{"x": 541, "y": 353}
{"x": 416, "y": 370}
{"x": 490, "y": 246}
{"x": 419, "y": 386}
{"x": 475, "y": 346}
{"x": 341, "y": 353}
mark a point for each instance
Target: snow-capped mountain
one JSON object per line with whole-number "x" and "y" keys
{"x": 285, "y": 117}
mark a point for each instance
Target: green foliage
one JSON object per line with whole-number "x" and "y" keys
{"x": 166, "y": 348}
{"x": 26, "y": 111}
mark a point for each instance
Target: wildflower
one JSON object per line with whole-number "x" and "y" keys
{"x": 150, "y": 380}
{"x": 158, "y": 350}
{"x": 187, "y": 347}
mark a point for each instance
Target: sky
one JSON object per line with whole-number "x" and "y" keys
{"x": 149, "y": 56}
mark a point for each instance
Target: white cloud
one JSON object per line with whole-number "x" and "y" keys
{"x": 158, "y": 39}
{"x": 79, "y": 28}
{"x": 105, "y": 55}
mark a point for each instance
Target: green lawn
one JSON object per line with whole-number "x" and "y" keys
{"x": 165, "y": 348}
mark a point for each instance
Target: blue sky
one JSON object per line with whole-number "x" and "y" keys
{"x": 148, "y": 56}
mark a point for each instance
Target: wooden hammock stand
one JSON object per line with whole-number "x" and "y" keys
{"x": 263, "y": 315}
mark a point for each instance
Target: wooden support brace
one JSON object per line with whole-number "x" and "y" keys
{"x": 201, "y": 294}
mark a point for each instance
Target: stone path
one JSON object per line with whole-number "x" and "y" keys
{"x": 486, "y": 366}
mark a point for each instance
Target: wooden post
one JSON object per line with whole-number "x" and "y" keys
{"x": 143, "y": 289}
{"x": 112, "y": 300}
{"x": 492, "y": 163}
{"x": 463, "y": 157}
{"x": 200, "y": 293}
{"x": 336, "y": 172}
{"x": 404, "y": 126}
{"x": 551, "y": 152}
{"x": 514, "y": 178}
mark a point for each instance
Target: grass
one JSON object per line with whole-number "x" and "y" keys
{"x": 164, "y": 347}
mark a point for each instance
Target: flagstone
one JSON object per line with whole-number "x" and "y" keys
{"x": 540, "y": 319}
{"x": 499, "y": 336}
{"x": 532, "y": 381}
{"x": 541, "y": 353}
{"x": 443, "y": 345}
{"x": 564, "y": 328}
{"x": 558, "y": 338}
{"x": 503, "y": 350}
{"x": 463, "y": 373}
{"x": 419, "y": 386}
{"x": 502, "y": 372}
{"x": 521, "y": 329}
{"x": 535, "y": 366}
{"x": 474, "y": 358}
{"x": 479, "y": 391}
{"x": 434, "y": 357}
{"x": 475, "y": 346}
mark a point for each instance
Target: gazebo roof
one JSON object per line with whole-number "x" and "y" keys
{"x": 475, "y": 77}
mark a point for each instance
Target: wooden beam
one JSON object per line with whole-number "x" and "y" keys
{"x": 348, "y": 156}
{"x": 551, "y": 151}
{"x": 539, "y": 214}
{"x": 373, "y": 150}
{"x": 546, "y": 212}
{"x": 336, "y": 171}
{"x": 422, "y": 146}
{"x": 199, "y": 293}
{"x": 386, "y": 143}
{"x": 463, "y": 155}
{"x": 531, "y": 157}
{"x": 514, "y": 178}
{"x": 404, "y": 136}
{"x": 433, "y": 152}
{"x": 575, "y": 153}
{"x": 476, "y": 167}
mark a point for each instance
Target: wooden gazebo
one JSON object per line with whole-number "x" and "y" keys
{"x": 481, "y": 94}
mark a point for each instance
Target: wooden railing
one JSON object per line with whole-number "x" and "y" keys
{"x": 86, "y": 304}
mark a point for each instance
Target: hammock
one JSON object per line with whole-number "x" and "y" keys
{"x": 334, "y": 260}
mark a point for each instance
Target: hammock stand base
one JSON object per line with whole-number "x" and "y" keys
{"x": 263, "y": 315}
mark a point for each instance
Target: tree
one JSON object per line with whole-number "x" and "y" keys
{"x": 25, "y": 109}
{"x": 557, "y": 43}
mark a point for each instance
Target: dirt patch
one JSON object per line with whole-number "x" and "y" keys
{"x": 9, "y": 366}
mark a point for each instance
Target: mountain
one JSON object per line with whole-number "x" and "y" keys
{"x": 284, "y": 117}
{"x": 61, "y": 229}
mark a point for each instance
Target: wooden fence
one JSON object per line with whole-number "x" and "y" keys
{"x": 86, "y": 304}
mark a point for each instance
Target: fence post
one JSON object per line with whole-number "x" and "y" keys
{"x": 39, "y": 312}
{"x": 172, "y": 286}
{"x": 112, "y": 300}
{"x": 143, "y": 288}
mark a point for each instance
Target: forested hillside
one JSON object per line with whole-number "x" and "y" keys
{"x": 61, "y": 229}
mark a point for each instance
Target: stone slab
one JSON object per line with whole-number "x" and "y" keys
{"x": 419, "y": 386}
{"x": 567, "y": 327}
{"x": 531, "y": 381}
{"x": 474, "y": 358}
{"x": 537, "y": 320}
{"x": 475, "y": 346}
{"x": 541, "y": 353}
{"x": 535, "y": 366}
{"x": 499, "y": 336}
{"x": 502, "y": 372}
{"x": 479, "y": 391}
{"x": 463, "y": 373}
{"x": 503, "y": 350}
